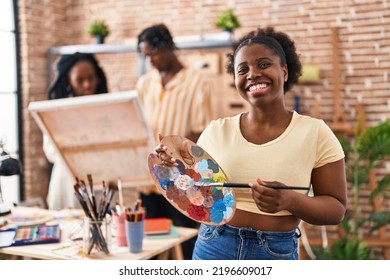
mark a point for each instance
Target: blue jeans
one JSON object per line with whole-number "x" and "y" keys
{"x": 232, "y": 243}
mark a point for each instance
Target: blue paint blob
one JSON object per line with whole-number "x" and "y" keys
{"x": 216, "y": 212}
{"x": 202, "y": 165}
{"x": 164, "y": 183}
{"x": 228, "y": 200}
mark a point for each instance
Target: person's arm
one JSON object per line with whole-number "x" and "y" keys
{"x": 326, "y": 207}
{"x": 48, "y": 149}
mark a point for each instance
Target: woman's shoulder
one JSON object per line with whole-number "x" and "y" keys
{"x": 225, "y": 122}
{"x": 308, "y": 120}
{"x": 315, "y": 125}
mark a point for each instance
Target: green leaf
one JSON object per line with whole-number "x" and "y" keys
{"x": 377, "y": 220}
{"x": 227, "y": 20}
{"x": 348, "y": 249}
{"x": 381, "y": 189}
{"x": 98, "y": 28}
{"x": 374, "y": 143}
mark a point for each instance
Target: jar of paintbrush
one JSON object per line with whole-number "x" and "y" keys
{"x": 96, "y": 236}
{"x": 96, "y": 224}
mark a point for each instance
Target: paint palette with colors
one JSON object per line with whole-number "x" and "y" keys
{"x": 185, "y": 186}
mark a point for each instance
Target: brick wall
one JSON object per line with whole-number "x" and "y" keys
{"x": 363, "y": 26}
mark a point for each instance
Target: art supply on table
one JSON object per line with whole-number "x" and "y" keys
{"x": 92, "y": 193}
{"x": 96, "y": 236}
{"x": 120, "y": 193}
{"x": 158, "y": 226}
{"x": 38, "y": 234}
{"x": 95, "y": 223}
{"x": 135, "y": 228}
{"x": 241, "y": 185}
{"x": 118, "y": 222}
{"x": 135, "y": 232}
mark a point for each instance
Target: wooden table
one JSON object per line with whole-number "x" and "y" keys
{"x": 152, "y": 247}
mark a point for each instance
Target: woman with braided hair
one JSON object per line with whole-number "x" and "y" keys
{"x": 76, "y": 74}
{"x": 271, "y": 148}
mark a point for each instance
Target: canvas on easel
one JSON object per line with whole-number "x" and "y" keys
{"x": 105, "y": 135}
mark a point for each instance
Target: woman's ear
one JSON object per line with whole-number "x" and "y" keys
{"x": 285, "y": 73}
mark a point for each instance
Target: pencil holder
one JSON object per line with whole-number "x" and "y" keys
{"x": 119, "y": 229}
{"x": 135, "y": 232}
{"x": 96, "y": 236}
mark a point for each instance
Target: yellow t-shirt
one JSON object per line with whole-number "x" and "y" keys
{"x": 307, "y": 143}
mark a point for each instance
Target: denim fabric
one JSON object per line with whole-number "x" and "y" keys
{"x": 231, "y": 243}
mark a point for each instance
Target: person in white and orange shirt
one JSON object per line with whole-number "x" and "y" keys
{"x": 177, "y": 101}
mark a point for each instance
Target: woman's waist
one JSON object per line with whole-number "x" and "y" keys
{"x": 261, "y": 222}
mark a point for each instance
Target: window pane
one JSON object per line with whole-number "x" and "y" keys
{"x": 6, "y": 15}
{"x": 9, "y": 136}
{"x": 9, "y": 121}
{"x": 8, "y": 62}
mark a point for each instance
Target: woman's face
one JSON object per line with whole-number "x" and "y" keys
{"x": 83, "y": 78}
{"x": 258, "y": 76}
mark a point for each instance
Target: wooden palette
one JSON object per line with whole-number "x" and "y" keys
{"x": 185, "y": 185}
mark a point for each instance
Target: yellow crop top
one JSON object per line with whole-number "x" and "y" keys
{"x": 307, "y": 143}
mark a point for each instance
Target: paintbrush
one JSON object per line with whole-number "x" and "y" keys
{"x": 81, "y": 200}
{"x": 86, "y": 197}
{"x": 111, "y": 191}
{"x": 120, "y": 193}
{"x": 93, "y": 200}
{"x": 102, "y": 201}
{"x": 241, "y": 185}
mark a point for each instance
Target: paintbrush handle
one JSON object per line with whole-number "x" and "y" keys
{"x": 241, "y": 185}
{"x": 235, "y": 185}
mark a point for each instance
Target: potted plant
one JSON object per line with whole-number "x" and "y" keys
{"x": 99, "y": 29}
{"x": 227, "y": 21}
{"x": 368, "y": 150}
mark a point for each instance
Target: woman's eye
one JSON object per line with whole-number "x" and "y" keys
{"x": 242, "y": 70}
{"x": 264, "y": 65}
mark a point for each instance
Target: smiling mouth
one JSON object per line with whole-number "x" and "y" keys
{"x": 257, "y": 89}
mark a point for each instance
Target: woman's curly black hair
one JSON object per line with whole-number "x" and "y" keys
{"x": 60, "y": 87}
{"x": 292, "y": 59}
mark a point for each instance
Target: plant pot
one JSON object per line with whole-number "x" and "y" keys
{"x": 99, "y": 39}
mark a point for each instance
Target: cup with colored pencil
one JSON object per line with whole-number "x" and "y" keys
{"x": 135, "y": 228}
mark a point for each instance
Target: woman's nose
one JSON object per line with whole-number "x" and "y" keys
{"x": 87, "y": 84}
{"x": 252, "y": 74}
